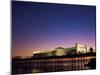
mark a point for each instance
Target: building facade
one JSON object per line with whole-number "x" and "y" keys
{"x": 60, "y": 51}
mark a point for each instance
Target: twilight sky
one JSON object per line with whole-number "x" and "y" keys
{"x": 42, "y": 26}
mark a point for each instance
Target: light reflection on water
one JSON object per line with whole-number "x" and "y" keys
{"x": 52, "y": 65}
{"x": 60, "y": 66}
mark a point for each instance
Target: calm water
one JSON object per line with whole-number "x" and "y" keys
{"x": 51, "y": 65}
{"x": 59, "y": 65}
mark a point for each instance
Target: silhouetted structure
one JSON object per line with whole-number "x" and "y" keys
{"x": 92, "y": 63}
{"x": 53, "y": 63}
{"x": 91, "y": 50}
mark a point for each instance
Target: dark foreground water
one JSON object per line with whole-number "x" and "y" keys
{"x": 51, "y": 65}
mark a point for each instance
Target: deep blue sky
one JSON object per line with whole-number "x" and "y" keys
{"x": 40, "y": 26}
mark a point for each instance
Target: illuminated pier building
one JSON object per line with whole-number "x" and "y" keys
{"x": 60, "y": 51}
